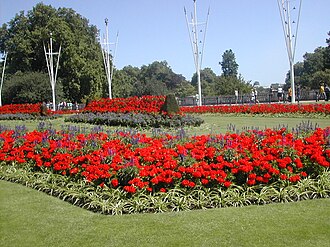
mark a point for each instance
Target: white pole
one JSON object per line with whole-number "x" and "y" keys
{"x": 198, "y": 69}
{"x": 291, "y": 60}
{"x": 50, "y": 66}
{"x": 108, "y": 58}
{"x": 197, "y": 54}
{"x": 284, "y": 8}
{"x": 52, "y": 72}
{"x": 3, "y": 76}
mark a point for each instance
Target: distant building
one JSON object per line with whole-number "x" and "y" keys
{"x": 276, "y": 86}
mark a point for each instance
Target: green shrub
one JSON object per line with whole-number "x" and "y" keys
{"x": 170, "y": 105}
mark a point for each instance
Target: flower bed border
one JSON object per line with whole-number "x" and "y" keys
{"x": 115, "y": 202}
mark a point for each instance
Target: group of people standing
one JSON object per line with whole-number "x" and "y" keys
{"x": 287, "y": 96}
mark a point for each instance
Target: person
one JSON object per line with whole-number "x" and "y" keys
{"x": 252, "y": 95}
{"x": 270, "y": 94}
{"x": 279, "y": 94}
{"x": 322, "y": 92}
{"x": 236, "y": 96}
{"x": 327, "y": 92}
{"x": 255, "y": 96}
{"x": 289, "y": 94}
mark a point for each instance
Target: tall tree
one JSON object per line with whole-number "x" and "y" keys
{"x": 81, "y": 66}
{"x": 327, "y": 53}
{"x": 122, "y": 84}
{"x": 314, "y": 70}
{"x": 29, "y": 87}
{"x": 226, "y": 85}
{"x": 208, "y": 81}
{"x": 158, "y": 78}
{"x": 228, "y": 64}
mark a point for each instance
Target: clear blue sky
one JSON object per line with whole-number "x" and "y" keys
{"x": 155, "y": 30}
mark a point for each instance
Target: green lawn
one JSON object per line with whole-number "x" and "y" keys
{"x": 32, "y": 218}
{"x": 214, "y": 123}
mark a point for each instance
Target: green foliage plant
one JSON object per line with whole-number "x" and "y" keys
{"x": 170, "y": 105}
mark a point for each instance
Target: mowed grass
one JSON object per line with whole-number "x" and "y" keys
{"x": 32, "y": 218}
{"x": 213, "y": 123}
{"x": 221, "y": 123}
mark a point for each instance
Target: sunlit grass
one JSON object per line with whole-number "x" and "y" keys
{"x": 213, "y": 123}
{"x": 32, "y": 218}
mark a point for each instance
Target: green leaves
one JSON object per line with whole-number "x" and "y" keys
{"x": 115, "y": 201}
{"x": 81, "y": 66}
{"x": 29, "y": 87}
{"x": 228, "y": 65}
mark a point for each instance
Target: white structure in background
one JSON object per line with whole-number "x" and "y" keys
{"x": 50, "y": 66}
{"x": 108, "y": 57}
{"x": 290, "y": 29}
{"x": 3, "y": 74}
{"x": 197, "y": 45}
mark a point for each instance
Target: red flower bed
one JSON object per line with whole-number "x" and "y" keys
{"x": 20, "y": 108}
{"x": 144, "y": 104}
{"x": 139, "y": 163}
{"x": 33, "y": 109}
{"x": 152, "y": 104}
{"x": 260, "y": 108}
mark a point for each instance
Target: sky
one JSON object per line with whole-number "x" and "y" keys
{"x": 156, "y": 30}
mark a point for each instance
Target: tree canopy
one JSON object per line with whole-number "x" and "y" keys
{"x": 81, "y": 66}
{"x": 314, "y": 70}
{"x": 228, "y": 64}
{"x": 29, "y": 87}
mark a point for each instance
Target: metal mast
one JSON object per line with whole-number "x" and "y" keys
{"x": 50, "y": 66}
{"x": 108, "y": 58}
{"x": 290, "y": 35}
{"x": 3, "y": 74}
{"x": 197, "y": 45}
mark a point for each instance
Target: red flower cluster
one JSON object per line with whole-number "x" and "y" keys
{"x": 260, "y": 108}
{"x": 144, "y": 104}
{"x": 33, "y": 109}
{"x": 20, "y": 108}
{"x": 161, "y": 163}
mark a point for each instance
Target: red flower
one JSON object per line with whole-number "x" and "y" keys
{"x": 114, "y": 183}
{"x": 205, "y": 181}
{"x": 294, "y": 178}
{"x": 251, "y": 182}
{"x": 130, "y": 189}
{"x": 185, "y": 182}
{"x": 227, "y": 184}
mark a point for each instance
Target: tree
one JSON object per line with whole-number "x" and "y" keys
{"x": 228, "y": 65}
{"x": 299, "y": 77}
{"x": 29, "y": 87}
{"x": 208, "y": 80}
{"x": 122, "y": 84}
{"x": 315, "y": 61}
{"x": 314, "y": 70}
{"x": 226, "y": 85}
{"x": 81, "y": 65}
{"x": 327, "y": 53}
{"x": 157, "y": 78}
{"x": 185, "y": 89}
